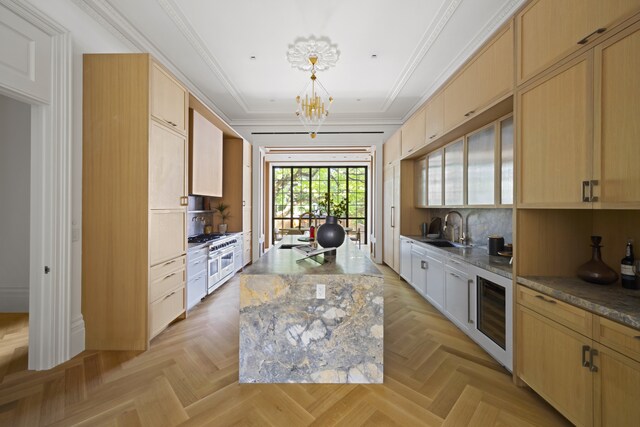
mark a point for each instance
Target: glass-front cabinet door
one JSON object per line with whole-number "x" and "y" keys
{"x": 454, "y": 174}
{"x": 434, "y": 178}
{"x": 481, "y": 166}
{"x": 506, "y": 161}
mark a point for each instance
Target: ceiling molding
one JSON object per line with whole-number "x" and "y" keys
{"x": 428, "y": 39}
{"x": 106, "y": 15}
{"x": 335, "y": 121}
{"x": 186, "y": 28}
{"x": 474, "y": 44}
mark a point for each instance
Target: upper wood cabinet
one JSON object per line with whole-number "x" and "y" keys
{"x": 391, "y": 148}
{"x": 481, "y": 166}
{"x": 564, "y": 161}
{"x": 506, "y": 161}
{"x": 554, "y": 124}
{"x": 236, "y": 187}
{"x": 169, "y": 99}
{"x": 617, "y": 128}
{"x": 549, "y": 30}
{"x": 434, "y": 178}
{"x": 434, "y": 117}
{"x": 246, "y": 177}
{"x": 454, "y": 173}
{"x": 486, "y": 79}
{"x": 205, "y": 156}
{"x": 413, "y": 133}
{"x": 167, "y": 168}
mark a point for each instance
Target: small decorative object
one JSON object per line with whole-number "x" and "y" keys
{"x": 595, "y": 270}
{"x": 330, "y": 234}
{"x": 628, "y": 268}
{"x": 224, "y": 214}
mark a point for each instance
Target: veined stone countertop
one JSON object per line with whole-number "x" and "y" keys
{"x": 312, "y": 323}
{"x": 475, "y": 255}
{"x": 611, "y": 301}
{"x": 348, "y": 260}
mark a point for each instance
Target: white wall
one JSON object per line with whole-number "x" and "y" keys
{"x": 88, "y": 36}
{"x": 15, "y": 159}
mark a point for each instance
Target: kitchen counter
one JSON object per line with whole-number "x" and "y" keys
{"x": 475, "y": 255}
{"x": 611, "y": 301}
{"x": 311, "y": 323}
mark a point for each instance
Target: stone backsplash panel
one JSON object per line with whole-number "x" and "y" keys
{"x": 481, "y": 223}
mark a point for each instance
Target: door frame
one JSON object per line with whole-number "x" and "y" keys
{"x": 50, "y": 213}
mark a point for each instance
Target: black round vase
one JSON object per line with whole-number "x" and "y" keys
{"x": 330, "y": 234}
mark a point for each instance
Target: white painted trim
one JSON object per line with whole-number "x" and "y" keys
{"x": 50, "y": 241}
{"x": 77, "y": 336}
{"x": 14, "y": 299}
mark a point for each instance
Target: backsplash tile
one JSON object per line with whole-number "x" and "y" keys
{"x": 481, "y": 223}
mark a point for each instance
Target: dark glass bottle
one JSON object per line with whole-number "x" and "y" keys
{"x": 628, "y": 268}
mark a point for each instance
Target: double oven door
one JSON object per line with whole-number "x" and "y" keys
{"x": 221, "y": 265}
{"x": 493, "y": 326}
{"x": 227, "y": 261}
{"x": 214, "y": 270}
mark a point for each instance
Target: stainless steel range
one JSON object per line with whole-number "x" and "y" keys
{"x": 221, "y": 262}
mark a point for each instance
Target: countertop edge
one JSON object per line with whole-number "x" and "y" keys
{"x": 474, "y": 262}
{"x": 578, "y": 301}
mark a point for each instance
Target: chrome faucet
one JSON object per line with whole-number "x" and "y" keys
{"x": 463, "y": 237}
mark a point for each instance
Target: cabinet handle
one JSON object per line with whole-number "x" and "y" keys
{"x": 433, "y": 136}
{"x": 585, "y": 349}
{"x": 455, "y": 275}
{"x": 171, "y": 123}
{"x": 470, "y": 113}
{"x": 424, "y": 265}
{"x": 469, "y": 290}
{"x": 172, "y": 293}
{"x": 410, "y": 150}
{"x": 169, "y": 263}
{"x": 550, "y": 301}
{"x": 585, "y": 184}
{"x": 168, "y": 275}
{"x": 592, "y": 184}
{"x": 243, "y": 203}
{"x": 184, "y": 201}
{"x": 586, "y": 39}
{"x": 592, "y": 353}
{"x": 393, "y": 222}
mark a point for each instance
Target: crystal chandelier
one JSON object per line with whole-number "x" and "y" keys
{"x": 314, "y": 102}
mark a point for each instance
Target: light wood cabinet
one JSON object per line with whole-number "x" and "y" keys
{"x": 487, "y": 78}
{"x": 434, "y": 117}
{"x": 550, "y": 361}
{"x": 507, "y": 161}
{"x": 413, "y": 133}
{"x": 549, "y": 30}
{"x": 167, "y": 168}
{"x": 554, "y": 138}
{"x": 420, "y": 183}
{"x": 566, "y": 162}
{"x": 434, "y": 178}
{"x": 134, "y": 200}
{"x": 480, "y": 174}
{"x": 205, "y": 156}
{"x": 617, "y": 128}
{"x": 391, "y": 148}
{"x": 391, "y": 217}
{"x": 236, "y": 187}
{"x": 586, "y": 366}
{"x": 169, "y": 99}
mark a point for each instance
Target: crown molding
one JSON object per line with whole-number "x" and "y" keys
{"x": 106, "y": 15}
{"x": 429, "y": 37}
{"x": 474, "y": 44}
{"x": 186, "y": 28}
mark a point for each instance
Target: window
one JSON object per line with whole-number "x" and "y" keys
{"x": 297, "y": 190}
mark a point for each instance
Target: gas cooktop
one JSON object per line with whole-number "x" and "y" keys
{"x": 204, "y": 238}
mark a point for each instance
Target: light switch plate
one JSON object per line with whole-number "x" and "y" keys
{"x": 320, "y": 291}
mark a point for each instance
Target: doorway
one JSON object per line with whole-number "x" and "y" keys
{"x": 15, "y": 193}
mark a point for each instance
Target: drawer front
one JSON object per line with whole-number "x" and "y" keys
{"x": 197, "y": 266}
{"x": 462, "y": 267}
{"x": 621, "y": 338}
{"x": 166, "y": 283}
{"x": 167, "y": 235}
{"x": 165, "y": 310}
{"x": 159, "y": 271}
{"x": 567, "y": 315}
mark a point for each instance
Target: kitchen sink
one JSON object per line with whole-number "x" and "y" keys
{"x": 290, "y": 245}
{"x": 440, "y": 243}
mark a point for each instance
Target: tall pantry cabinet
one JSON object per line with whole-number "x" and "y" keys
{"x": 135, "y": 183}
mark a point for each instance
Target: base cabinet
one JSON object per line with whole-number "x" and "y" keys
{"x": 457, "y": 295}
{"x": 588, "y": 382}
{"x": 419, "y": 269}
{"x": 405, "y": 259}
{"x": 435, "y": 280}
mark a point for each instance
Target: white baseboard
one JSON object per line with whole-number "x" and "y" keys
{"x": 77, "y": 336}
{"x": 14, "y": 299}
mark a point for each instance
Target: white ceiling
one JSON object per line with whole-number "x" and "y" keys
{"x": 418, "y": 44}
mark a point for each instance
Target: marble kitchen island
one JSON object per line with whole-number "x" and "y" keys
{"x": 288, "y": 335}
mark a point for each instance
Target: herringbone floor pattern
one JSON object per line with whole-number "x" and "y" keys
{"x": 434, "y": 375}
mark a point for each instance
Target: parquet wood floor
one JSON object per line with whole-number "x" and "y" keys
{"x": 434, "y": 376}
